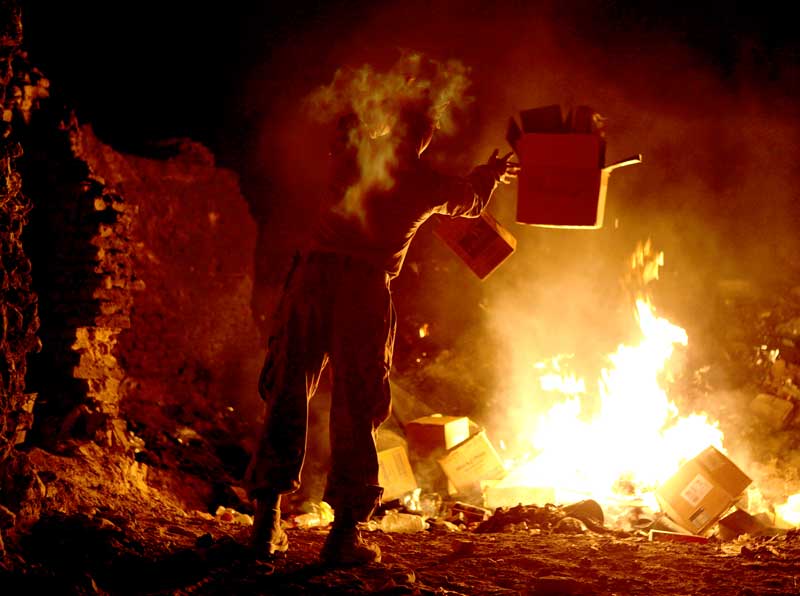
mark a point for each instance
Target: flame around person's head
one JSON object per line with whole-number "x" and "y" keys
{"x": 389, "y": 114}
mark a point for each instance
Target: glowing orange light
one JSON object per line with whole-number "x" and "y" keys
{"x": 626, "y": 436}
{"x": 789, "y": 512}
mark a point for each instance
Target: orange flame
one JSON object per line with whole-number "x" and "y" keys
{"x": 789, "y": 512}
{"x": 634, "y": 437}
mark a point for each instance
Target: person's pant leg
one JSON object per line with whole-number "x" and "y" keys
{"x": 296, "y": 357}
{"x": 361, "y": 355}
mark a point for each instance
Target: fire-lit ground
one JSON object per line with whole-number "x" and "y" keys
{"x": 146, "y": 552}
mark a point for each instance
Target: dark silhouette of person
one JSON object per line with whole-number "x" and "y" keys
{"x": 337, "y": 309}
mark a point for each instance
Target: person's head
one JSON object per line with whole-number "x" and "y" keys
{"x": 415, "y": 127}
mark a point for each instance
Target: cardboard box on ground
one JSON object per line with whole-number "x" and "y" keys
{"x": 429, "y": 438}
{"x": 469, "y": 463}
{"x": 453, "y": 456}
{"x": 450, "y": 455}
{"x": 395, "y": 474}
{"x": 702, "y": 491}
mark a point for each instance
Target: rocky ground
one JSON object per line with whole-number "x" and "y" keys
{"x": 139, "y": 552}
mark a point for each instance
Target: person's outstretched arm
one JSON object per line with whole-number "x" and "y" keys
{"x": 468, "y": 196}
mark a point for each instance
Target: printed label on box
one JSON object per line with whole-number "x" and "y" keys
{"x": 394, "y": 473}
{"x": 696, "y": 490}
{"x": 700, "y": 518}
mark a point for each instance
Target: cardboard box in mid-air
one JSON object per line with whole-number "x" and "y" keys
{"x": 563, "y": 179}
{"x": 481, "y": 242}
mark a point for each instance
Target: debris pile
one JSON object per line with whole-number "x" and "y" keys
{"x": 21, "y": 86}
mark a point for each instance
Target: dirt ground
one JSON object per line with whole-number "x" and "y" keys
{"x": 136, "y": 551}
{"x": 207, "y": 558}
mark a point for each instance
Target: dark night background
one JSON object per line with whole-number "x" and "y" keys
{"x": 150, "y": 70}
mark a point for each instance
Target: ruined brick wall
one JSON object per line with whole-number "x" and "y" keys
{"x": 192, "y": 353}
{"x": 20, "y": 89}
{"x": 79, "y": 243}
{"x": 126, "y": 285}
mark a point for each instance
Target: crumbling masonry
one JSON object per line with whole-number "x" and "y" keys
{"x": 66, "y": 281}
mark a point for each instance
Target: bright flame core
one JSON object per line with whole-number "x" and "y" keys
{"x": 633, "y": 438}
{"x": 789, "y": 512}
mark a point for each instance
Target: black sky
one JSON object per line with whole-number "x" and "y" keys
{"x": 146, "y": 70}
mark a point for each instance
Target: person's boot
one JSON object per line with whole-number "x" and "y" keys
{"x": 267, "y": 536}
{"x": 345, "y": 547}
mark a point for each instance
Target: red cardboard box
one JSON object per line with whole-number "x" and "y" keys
{"x": 564, "y": 180}
{"x": 481, "y": 242}
{"x": 702, "y": 491}
{"x": 560, "y": 183}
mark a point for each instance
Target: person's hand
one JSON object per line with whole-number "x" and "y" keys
{"x": 504, "y": 171}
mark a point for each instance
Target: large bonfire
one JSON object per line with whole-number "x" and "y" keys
{"x": 617, "y": 440}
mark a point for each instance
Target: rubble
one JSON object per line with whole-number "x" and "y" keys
{"x": 21, "y": 87}
{"x": 80, "y": 247}
{"x": 777, "y": 412}
{"x": 664, "y": 536}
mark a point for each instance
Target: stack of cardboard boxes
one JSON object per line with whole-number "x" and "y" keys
{"x": 444, "y": 456}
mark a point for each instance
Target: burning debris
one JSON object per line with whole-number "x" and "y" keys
{"x": 675, "y": 482}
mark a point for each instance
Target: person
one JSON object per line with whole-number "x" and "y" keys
{"x": 337, "y": 308}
